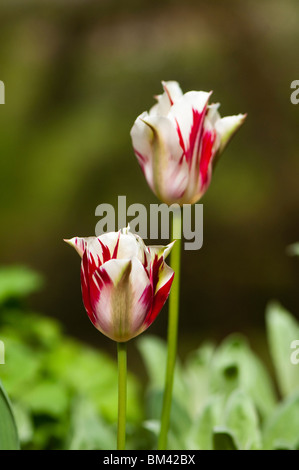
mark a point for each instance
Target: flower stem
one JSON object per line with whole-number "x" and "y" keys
{"x": 173, "y": 320}
{"x": 122, "y": 395}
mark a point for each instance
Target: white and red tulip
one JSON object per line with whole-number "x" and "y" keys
{"x": 124, "y": 283}
{"x": 178, "y": 141}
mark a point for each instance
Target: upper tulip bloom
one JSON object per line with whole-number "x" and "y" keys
{"x": 178, "y": 141}
{"x": 124, "y": 283}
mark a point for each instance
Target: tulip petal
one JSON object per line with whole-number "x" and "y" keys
{"x": 141, "y": 138}
{"x": 158, "y": 254}
{"x": 207, "y": 153}
{"x": 172, "y": 92}
{"x": 85, "y": 287}
{"x": 131, "y": 245}
{"x": 188, "y": 115}
{"x": 109, "y": 308}
{"x": 121, "y": 296}
{"x": 163, "y": 286}
{"x": 99, "y": 248}
{"x": 142, "y": 296}
{"x": 212, "y": 113}
{"x": 160, "y": 250}
{"x": 169, "y": 171}
{"x": 78, "y": 243}
{"x": 227, "y": 127}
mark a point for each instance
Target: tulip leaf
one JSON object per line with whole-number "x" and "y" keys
{"x": 196, "y": 372}
{"x": 223, "y": 439}
{"x": 86, "y": 371}
{"x": 180, "y": 420}
{"x": 154, "y": 352}
{"x": 242, "y": 420}
{"x": 88, "y": 430}
{"x": 282, "y": 331}
{"x": 235, "y": 366}
{"x": 8, "y": 431}
{"x": 201, "y": 433}
{"x": 281, "y": 429}
{"x": 47, "y": 397}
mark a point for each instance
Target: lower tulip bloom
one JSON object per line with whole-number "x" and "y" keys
{"x": 124, "y": 283}
{"x": 124, "y": 286}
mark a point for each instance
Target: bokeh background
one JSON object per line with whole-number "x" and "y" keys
{"x": 77, "y": 74}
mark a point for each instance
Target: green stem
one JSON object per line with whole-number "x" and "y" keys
{"x": 173, "y": 320}
{"x": 122, "y": 395}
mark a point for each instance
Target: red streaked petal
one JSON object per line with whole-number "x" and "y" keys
{"x": 78, "y": 243}
{"x": 106, "y": 255}
{"x": 115, "y": 251}
{"x": 207, "y": 153}
{"x": 172, "y": 90}
{"x": 158, "y": 302}
{"x": 85, "y": 284}
{"x": 187, "y": 115}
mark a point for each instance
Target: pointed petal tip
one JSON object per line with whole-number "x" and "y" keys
{"x": 69, "y": 241}
{"x": 168, "y": 248}
{"x": 77, "y": 243}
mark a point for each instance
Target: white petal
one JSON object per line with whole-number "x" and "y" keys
{"x": 212, "y": 114}
{"x": 123, "y": 303}
{"x": 131, "y": 246}
{"x": 78, "y": 243}
{"x": 164, "y": 276}
{"x": 102, "y": 294}
{"x": 141, "y": 137}
{"x": 169, "y": 170}
{"x": 160, "y": 250}
{"x": 142, "y": 295}
{"x": 109, "y": 240}
{"x": 182, "y": 112}
{"x": 227, "y": 126}
{"x": 172, "y": 92}
{"x": 115, "y": 268}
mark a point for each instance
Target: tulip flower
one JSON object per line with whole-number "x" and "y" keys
{"x": 178, "y": 142}
{"x": 124, "y": 283}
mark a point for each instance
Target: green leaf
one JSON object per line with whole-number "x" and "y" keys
{"x": 180, "y": 420}
{"x": 242, "y": 420}
{"x": 235, "y": 366}
{"x": 24, "y": 423}
{"x": 223, "y": 440}
{"x": 281, "y": 429}
{"x": 47, "y": 397}
{"x": 8, "y": 432}
{"x": 196, "y": 373}
{"x": 33, "y": 329}
{"x": 201, "y": 433}
{"x": 88, "y": 430}
{"x": 154, "y": 353}
{"x": 17, "y": 281}
{"x": 93, "y": 374}
{"x": 282, "y": 330}
{"x": 21, "y": 367}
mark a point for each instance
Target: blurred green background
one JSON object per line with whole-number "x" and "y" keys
{"x": 77, "y": 74}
